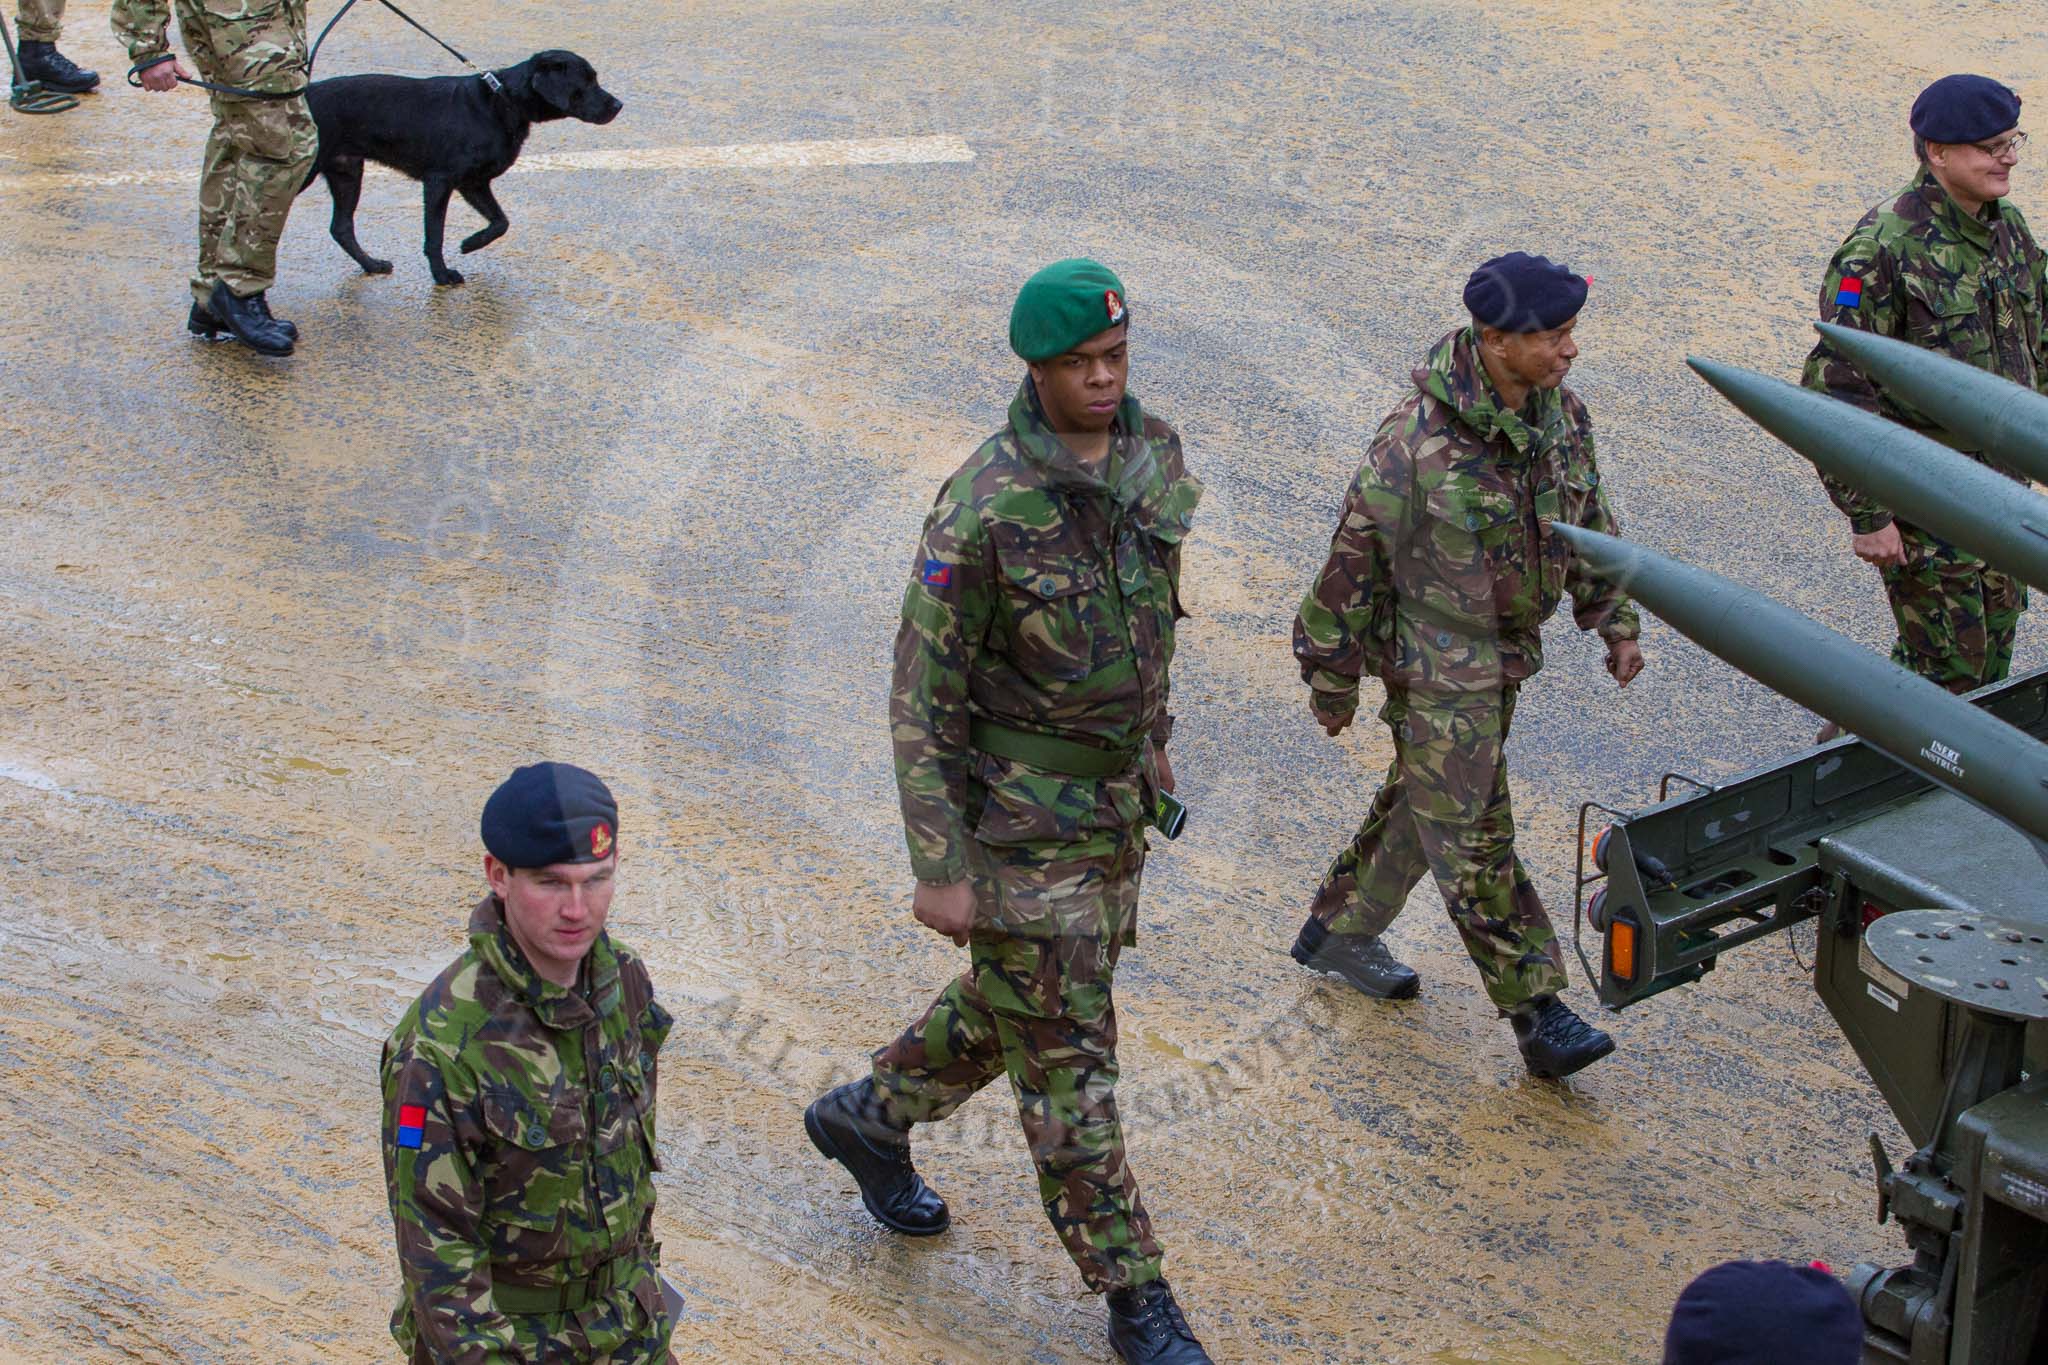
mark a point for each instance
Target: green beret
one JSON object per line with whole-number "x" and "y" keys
{"x": 1063, "y": 305}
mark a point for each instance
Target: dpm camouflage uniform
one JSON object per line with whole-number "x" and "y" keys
{"x": 1921, "y": 270}
{"x": 39, "y": 21}
{"x": 1440, "y": 576}
{"x": 261, "y": 150}
{"x": 518, "y": 1156}
{"x": 1040, "y": 621}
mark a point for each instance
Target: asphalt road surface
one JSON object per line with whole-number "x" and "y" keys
{"x": 642, "y": 495}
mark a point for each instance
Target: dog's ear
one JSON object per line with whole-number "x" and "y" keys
{"x": 554, "y": 80}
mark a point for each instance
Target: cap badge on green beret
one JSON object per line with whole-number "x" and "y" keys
{"x": 1114, "y": 305}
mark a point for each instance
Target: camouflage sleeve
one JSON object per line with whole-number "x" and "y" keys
{"x": 945, "y": 618}
{"x": 2037, "y": 266}
{"x": 437, "y": 1207}
{"x": 1337, "y": 629}
{"x": 1596, "y": 603}
{"x": 143, "y": 26}
{"x": 1860, "y": 290}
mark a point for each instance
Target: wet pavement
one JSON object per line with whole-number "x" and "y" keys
{"x": 642, "y": 493}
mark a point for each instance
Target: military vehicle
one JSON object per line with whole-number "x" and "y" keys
{"x": 1917, "y": 845}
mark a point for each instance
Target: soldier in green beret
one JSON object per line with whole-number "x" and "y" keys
{"x": 1948, "y": 263}
{"x": 1029, "y": 713}
{"x": 519, "y": 1108}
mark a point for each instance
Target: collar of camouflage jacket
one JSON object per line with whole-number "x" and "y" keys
{"x": 558, "y": 1007}
{"x": 1455, "y": 377}
{"x": 1949, "y": 215}
{"x": 1135, "y": 476}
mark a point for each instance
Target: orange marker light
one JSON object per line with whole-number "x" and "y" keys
{"x": 1599, "y": 850}
{"x": 1621, "y": 949}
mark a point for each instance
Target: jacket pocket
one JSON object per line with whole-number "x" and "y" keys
{"x": 534, "y": 1173}
{"x": 1054, "y": 618}
{"x": 1942, "y": 317}
{"x": 1467, "y": 543}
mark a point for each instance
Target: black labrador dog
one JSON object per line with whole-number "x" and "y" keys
{"x": 453, "y": 134}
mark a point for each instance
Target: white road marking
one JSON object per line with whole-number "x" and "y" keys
{"x": 867, "y": 151}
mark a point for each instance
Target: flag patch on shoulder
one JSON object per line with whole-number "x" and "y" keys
{"x": 937, "y": 575}
{"x": 412, "y": 1120}
{"x": 1850, "y": 293}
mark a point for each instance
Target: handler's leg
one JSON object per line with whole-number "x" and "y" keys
{"x": 272, "y": 144}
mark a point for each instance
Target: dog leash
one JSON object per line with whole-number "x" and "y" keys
{"x": 490, "y": 78}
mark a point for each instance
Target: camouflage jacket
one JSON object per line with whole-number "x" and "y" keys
{"x": 1043, "y": 597}
{"x": 1442, "y": 570}
{"x": 1922, "y": 270}
{"x": 143, "y": 26}
{"x": 518, "y": 1151}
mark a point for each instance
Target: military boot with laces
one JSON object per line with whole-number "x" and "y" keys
{"x": 849, "y": 1126}
{"x": 51, "y": 69}
{"x": 248, "y": 320}
{"x": 201, "y": 323}
{"x": 1554, "y": 1041}
{"x": 1146, "y": 1328}
{"x": 1361, "y": 959}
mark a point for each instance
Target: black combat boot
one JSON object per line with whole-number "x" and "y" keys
{"x": 201, "y": 323}
{"x": 290, "y": 329}
{"x": 51, "y": 69}
{"x": 848, "y": 1125}
{"x": 1360, "y": 959}
{"x": 247, "y": 319}
{"x": 1146, "y": 1328}
{"x": 1554, "y": 1041}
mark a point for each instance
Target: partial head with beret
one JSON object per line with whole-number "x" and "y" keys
{"x": 1064, "y": 305}
{"x": 1964, "y": 109}
{"x": 1523, "y": 293}
{"x": 1763, "y": 1312}
{"x": 549, "y": 813}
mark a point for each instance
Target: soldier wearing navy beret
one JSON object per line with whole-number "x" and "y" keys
{"x": 1949, "y": 264}
{"x": 519, "y": 1107}
{"x": 1439, "y": 578}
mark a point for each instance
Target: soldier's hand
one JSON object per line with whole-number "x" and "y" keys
{"x": 164, "y": 76}
{"x": 1332, "y": 723}
{"x": 947, "y": 910}
{"x": 1881, "y": 547}
{"x": 1624, "y": 661}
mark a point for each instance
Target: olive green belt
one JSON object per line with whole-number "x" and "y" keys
{"x": 567, "y": 1297}
{"x": 1049, "y": 753}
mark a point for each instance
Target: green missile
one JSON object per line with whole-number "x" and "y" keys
{"x": 1923, "y": 481}
{"x": 2006, "y": 420}
{"x": 1902, "y": 715}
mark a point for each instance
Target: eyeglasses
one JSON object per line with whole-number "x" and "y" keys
{"x": 1999, "y": 150}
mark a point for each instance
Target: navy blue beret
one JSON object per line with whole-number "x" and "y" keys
{"x": 1965, "y": 109}
{"x": 548, "y": 813}
{"x": 1523, "y": 293}
{"x": 1762, "y": 1313}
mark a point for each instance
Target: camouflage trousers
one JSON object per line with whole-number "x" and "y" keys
{"x": 38, "y": 21}
{"x": 1443, "y": 810}
{"x": 1957, "y": 615}
{"x": 260, "y": 151}
{"x": 1039, "y": 1010}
